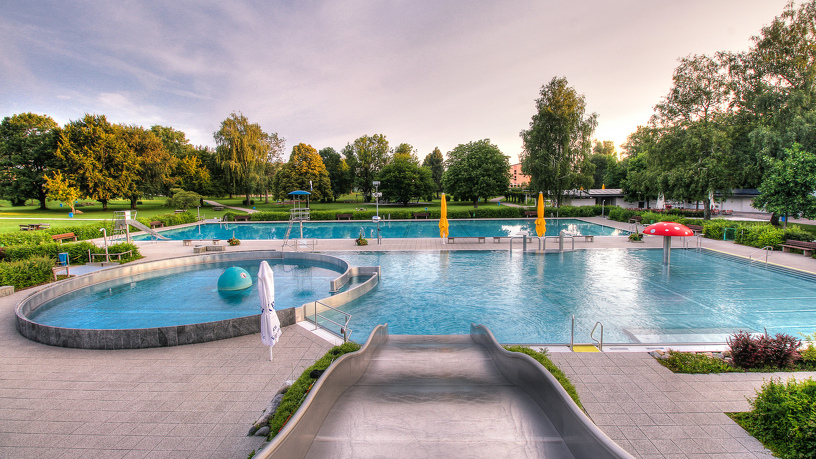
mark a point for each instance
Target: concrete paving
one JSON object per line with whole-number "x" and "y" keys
{"x": 200, "y": 400}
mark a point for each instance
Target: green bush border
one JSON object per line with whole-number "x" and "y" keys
{"x": 544, "y": 360}
{"x": 297, "y": 393}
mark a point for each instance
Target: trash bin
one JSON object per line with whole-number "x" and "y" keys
{"x": 62, "y": 259}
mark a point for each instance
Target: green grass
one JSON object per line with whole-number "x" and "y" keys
{"x": 297, "y": 393}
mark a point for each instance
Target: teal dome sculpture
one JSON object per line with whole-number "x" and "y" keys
{"x": 234, "y": 278}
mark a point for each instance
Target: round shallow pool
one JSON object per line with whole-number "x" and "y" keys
{"x": 176, "y": 301}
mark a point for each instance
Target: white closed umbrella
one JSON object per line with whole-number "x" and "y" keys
{"x": 270, "y": 324}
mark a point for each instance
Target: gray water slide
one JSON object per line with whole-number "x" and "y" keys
{"x": 439, "y": 396}
{"x": 139, "y": 225}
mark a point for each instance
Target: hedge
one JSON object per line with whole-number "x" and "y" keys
{"x": 26, "y": 273}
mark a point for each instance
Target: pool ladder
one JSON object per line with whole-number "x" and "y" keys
{"x": 345, "y": 331}
{"x": 767, "y": 249}
{"x": 591, "y": 335}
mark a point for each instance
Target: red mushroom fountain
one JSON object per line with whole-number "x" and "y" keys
{"x": 667, "y": 230}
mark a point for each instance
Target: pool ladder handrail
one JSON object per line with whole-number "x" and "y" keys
{"x": 767, "y": 249}
{"x": 591, "y": 335}
{"x": 345, "y": 331}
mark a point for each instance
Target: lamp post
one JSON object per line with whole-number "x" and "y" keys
{"x": 376, "y": 218}
{"x": 105, "y": 238}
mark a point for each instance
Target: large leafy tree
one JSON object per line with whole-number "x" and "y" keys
{"x": 28, "y": 145}
{"x": 476, "y": 170}
{"x": 435, "y": 162}
{"x": 304, "y": 171}
{"x": 367, "y": 155}
{"x": 155, "y": 163}
{"x": 339, "y": 171}
{"x": 559, "y": 141}
{"x": 97, "y": 159}
{"x": 244, "y": 150}
{"x": 404, "y": 179}
{"x": 789, "y": 187}
{"x": 604, "y": 158}
{"x": 693, "y": 151}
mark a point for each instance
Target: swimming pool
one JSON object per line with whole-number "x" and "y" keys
{"x": 701, "y": 297}
{"x": 389, "y": 229}
{"x": 182, "y": 295}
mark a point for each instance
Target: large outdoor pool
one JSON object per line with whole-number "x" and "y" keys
{"x": 389, "y": 229}
{"x": 701, "y": 297}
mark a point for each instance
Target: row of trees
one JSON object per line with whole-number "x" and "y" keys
{"x": 730, "y": 120}
{"x": 93, "y": 158}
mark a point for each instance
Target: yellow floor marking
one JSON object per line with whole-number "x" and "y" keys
{"x": 584, "y": 348}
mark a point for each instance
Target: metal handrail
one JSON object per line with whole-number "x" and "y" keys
{"x": 767, "y": 249}
{"x": 345, "y": 331}
{"x": 592, "y": 336}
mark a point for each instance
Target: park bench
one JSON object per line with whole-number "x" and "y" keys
{"x": 64, "y": 236}
{"x": 179, "y": 211}
{"x": 698, "y": 229}
{"x": 635, "y": 219}
{"x": 218, "y": 208}
{"x": 530, "y": 213}
{"x": 242, "y": 218}
{"x": 418, "y": 215}
{"x": 156, "y": 224}
{"x": 481, "y": 239}
{"x": 344, "y": 216}
{"x": 806, "y": 247}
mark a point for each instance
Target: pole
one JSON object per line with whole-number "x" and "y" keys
{"x": 270, "y": 353}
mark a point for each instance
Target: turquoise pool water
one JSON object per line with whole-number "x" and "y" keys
{"x": 701, "y": 297}
{"x": 389, "y": 229}
{"x": 523, "y": 298}
{"x": 182, "y": 296}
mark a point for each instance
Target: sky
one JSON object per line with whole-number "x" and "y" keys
{"x": 435, "y": 73}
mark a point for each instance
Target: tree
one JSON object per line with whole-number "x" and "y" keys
{"x": 28, "y": 145}
{"x": 339, "y": 173}
{"x": 304, "y": 171}
{"x": 790, "y": 184}
{"x": 435, "y": 162}
{"x": 245, "y": 150}
{"x": 604, "y": 158}
{"x": 155, "y": 163}
{"x": 476, "y": 170}
{"x": 97, "y": 159}
{"x": 403, "y": 179}
{"x": 557, "y": 145}
{"x": 60, "y": 188}
{"x": 367, "y": 156}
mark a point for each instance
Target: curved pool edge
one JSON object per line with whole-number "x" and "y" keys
{"x": 140, "y": 338}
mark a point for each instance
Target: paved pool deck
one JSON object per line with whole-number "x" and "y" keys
{"x": 200, "y": 400}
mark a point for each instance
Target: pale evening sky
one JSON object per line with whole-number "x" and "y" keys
{"x": 429, "y": 73}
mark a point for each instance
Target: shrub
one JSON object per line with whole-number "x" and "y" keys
{"x": 763, "y": 352}
{"x": 26, "y": 273}
{"x": 758, "y": 235}
{"x": 693, "y": 363}
{"x": 295, "y": 395}
{"x": 796, "y": 233}
{"x": 713, "y": 229}
{"x": 77, "y": 251}
{"x": 251, "y": 202}
{"x": 783, "y": 417}
{"x": 182, "y": 199}
{"x": 809, "y": 352}
{"x": 541, "y": 357}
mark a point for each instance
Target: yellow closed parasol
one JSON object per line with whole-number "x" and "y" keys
{"x": 540, "y": 223}
{"x": 443, "y": 219}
